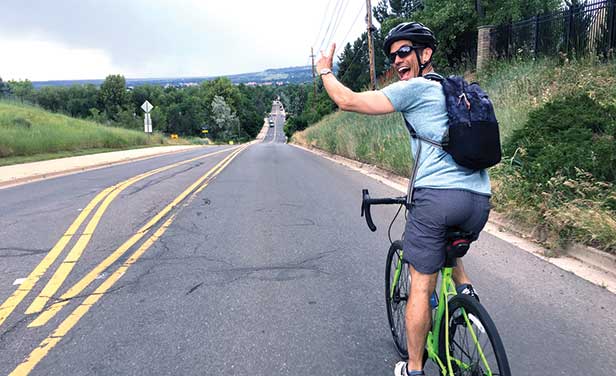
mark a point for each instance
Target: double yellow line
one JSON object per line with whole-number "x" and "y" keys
{"x": 108, "y": 194}
{"x": 56, "y": 336}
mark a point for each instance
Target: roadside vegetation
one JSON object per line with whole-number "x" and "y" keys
{"x": 28, "y": 133}
{"x": 56, "y": 121}
{"x": 225, "y": 111}
{"x": 558, "y": 125}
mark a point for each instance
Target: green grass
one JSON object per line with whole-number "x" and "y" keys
{"x": 29, "y": 133}
{"x": 516, "y": 88}
{"x": 380, "y": 140}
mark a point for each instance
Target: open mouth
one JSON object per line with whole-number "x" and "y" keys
{"x": 403, "y": 72}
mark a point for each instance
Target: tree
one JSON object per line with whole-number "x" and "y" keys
{"x": 5, "y": 89}
{"x": 151, "y": 93}
{"x": 455, "y": 22}
{"x": 223, "y": 87}
{"x": 498, "y": 12}
{"x": 353, "y": 68}
{"x": 79, "y": 100}
{"x": 24, "y": 90}
{"x": 251, "y": 119}
{"x": 226, "y": 122}
{"x": 381, "y": 10}
{"x": 112, "y": 96}
{"x": 184, "y": 111}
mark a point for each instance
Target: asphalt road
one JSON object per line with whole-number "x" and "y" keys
{"x": 267, "y": 270}
{"x": 276, "y": 131}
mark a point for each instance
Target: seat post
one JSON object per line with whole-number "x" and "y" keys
{"x": 450, "y": 260}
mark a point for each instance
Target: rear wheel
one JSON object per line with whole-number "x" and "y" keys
{"x": 396, "y": 300}
{"x": 465, "y": 312}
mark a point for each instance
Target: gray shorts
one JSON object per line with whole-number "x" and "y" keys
{"x": 432, "y": 212}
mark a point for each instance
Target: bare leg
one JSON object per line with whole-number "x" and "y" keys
{"x": 418, "y": 316}
{"x": 459, "y": 275}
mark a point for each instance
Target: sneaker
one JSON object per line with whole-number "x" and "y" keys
{"x": 467, "y": 289}
{"x": 400, "y": 370}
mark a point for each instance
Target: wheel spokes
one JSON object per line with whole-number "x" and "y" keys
{"x": 465, "y": 350}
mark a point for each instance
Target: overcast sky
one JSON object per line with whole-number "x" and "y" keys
{"x": 85, "y": 39}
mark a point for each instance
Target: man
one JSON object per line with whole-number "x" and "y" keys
{"x": 445, "y": 195}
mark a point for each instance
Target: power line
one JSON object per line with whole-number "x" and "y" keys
{"x": 330, "y": 22}
{"x": 322, "y": 23}
{"x": 351, "y": 28}
{"x": 337, "y": 22}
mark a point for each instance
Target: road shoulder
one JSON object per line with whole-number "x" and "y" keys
{"x": 587, "y": 263}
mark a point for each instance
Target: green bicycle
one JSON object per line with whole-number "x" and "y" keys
{"x": 463, "y": 339}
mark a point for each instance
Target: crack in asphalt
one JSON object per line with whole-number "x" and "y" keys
{"x": 8, "y": 224}
{"x": 194, "y": 288}
{"x": 282, "y": 272}
{"x": 291, "y": 205}
{"x": 309, "y": 222}
{"x": 54, "y": 210}
{"x": 11, "y": 329}
{"x": 155, "y": 181}
{"x": 25, "y": 251}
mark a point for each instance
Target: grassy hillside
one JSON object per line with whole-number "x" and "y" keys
{"x": 30, "y": 133}
{"x": 516, "y": 88}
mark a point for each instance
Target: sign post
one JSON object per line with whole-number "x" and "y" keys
{"x": 147, "y": 120}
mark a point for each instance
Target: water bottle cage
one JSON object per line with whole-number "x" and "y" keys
{"x": 458, "y": 247}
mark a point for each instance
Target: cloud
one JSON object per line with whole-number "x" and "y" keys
{"x": 154, "y": 38}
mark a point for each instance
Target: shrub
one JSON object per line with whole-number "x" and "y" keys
{"x": 569, "y": 133}
{"x": 560, "y": 172}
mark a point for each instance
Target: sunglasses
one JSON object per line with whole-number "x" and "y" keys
{"x": 403, "y": 52}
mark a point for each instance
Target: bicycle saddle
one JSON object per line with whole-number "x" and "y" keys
{"x": 458, "y": 242}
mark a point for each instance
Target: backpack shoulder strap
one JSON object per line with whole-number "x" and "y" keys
{"x": 415, "y": 135}
{"x": 434, "y": 77}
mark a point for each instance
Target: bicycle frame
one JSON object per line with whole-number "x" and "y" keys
{"x": 447, "y": 290}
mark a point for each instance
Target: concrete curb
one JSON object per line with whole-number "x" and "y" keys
{"x": 588, "y": 263}
{"x": 15, "y": 175}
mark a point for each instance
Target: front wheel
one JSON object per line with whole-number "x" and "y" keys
{"x": 397, "y": 284}
{"x": 478, "y": 355}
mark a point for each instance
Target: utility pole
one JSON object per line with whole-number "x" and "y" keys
{"x": 370, "y": 46}
{"x": 314, "y": 81}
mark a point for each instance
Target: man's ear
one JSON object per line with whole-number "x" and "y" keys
{"x": 426, "y": 54}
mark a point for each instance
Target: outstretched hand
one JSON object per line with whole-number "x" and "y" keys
{"x": 326, "y": 59}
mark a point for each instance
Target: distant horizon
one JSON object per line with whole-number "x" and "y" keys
{"x": 162, "y": 78}
{"x": 270, "y": 76}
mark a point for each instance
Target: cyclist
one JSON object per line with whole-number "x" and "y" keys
{"x": 445, "y": 195}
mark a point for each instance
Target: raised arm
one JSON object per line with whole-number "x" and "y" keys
{"x": 367, "y": 102}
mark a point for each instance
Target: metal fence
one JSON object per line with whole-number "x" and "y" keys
{"x": 577, "y": 30}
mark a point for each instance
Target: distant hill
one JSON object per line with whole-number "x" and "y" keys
{"x": 279, "y": 76}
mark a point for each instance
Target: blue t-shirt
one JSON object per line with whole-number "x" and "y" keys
{"x": 422, "y": 104}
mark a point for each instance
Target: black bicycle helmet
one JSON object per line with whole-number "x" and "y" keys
{"x": 413, "y": 31}
{"x": 417, "y": 33}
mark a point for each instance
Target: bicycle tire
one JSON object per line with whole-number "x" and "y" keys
{"x": 396, "y": 306}
{"x": 486, "y": 333}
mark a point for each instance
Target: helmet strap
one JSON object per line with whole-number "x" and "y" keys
{"x": 422, "y": 66}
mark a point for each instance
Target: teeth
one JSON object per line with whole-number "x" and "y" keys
{"x": 402, "y": 69}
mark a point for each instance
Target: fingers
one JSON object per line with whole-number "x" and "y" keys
{"x": 326, "y": 59}
{"x": 330, "y": 52}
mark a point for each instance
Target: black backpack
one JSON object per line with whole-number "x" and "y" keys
{"x": 472, "y": 137}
